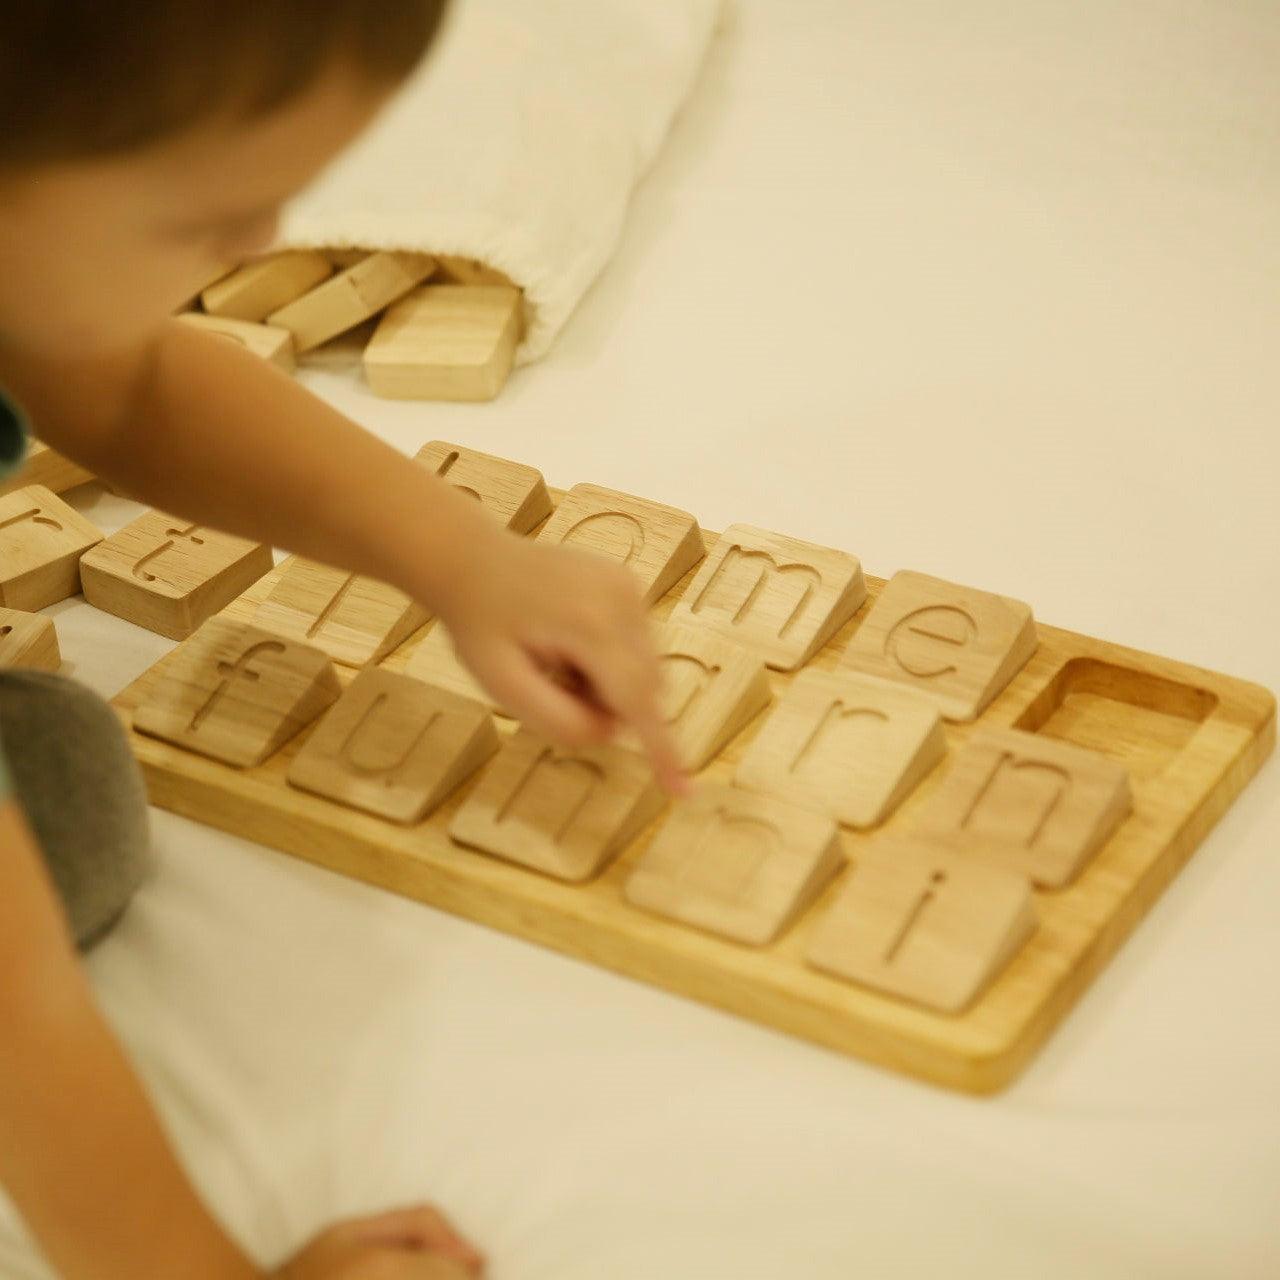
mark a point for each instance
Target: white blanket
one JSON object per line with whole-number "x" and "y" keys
{"x": 519, "y": 143}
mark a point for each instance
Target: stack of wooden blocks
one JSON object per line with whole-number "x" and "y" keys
{"x": 921, "y": 822}
{"x": 425, "y": 328}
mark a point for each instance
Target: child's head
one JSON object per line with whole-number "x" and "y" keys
{"x": 143, "y": 144}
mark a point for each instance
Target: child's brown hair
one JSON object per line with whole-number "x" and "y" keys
{"x": 83, "y": 78}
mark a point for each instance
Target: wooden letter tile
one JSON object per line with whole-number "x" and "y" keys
{"x": 169, "y": 575}
{"x": 353, "y": 295}
{"x": 847, "y": 745}
{"x": 1036, "y": 805}
{"x": 513, "y": 493}
{"x": 273, "y": 344}
{"x": 41, "y": 542}
{"x": 28, "y": 640}
{"x": 711, "y": 690}
{"x": 776, "y": 595}
{"x": 659, "y": 544}
{"x": 355, "y": 620}
{"x": 959, "y": 645}
{"x": 47, "y": 467}
{"x": 562, "y": 812}
{"x": 446, "y": 342}
{"x": 394, "y": 747}
{"x": 258, "y": 288}
{"x": 434, "y": 662}
{"x": 236, "y": 694}
{"x": 736, "y": 864}
{"x": 922, "y": 923}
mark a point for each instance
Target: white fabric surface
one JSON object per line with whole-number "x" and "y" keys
{"x": 519, "y": 144}
{"x": 988, "y": 290}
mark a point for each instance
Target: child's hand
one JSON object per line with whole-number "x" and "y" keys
{"x": 560, "y": 638}
{"x": 405, "y": 1244}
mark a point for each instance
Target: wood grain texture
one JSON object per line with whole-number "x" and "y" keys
{"x": 252, "y": 292}
{"x": 659, "y": 544}
{"x": 446, "y": 342}
{"x": 355, "y": 620}
{"x": 168, "y": 575}
{"x": 847, "y": 745}
{"x": 237, "y": 694}
{"x": 1035, "y": 805}
{"x": 28, "y": 640}
{"x": 776, "y": 595}
{"x": 736, "y": 864}
{"x": 711, "y": 690}
{"x": 919, "y": 921}
{"x": 41, "y": 542}
{"x": 352, "y": 296}
{"x": 956, "y": 644}
{"x": 433, "y": 660}
{"x": 514, "y": 494}
{"x": 394, "y": 747}
{"x": 46, "y": 467}
{"x": 270, "y": 342}
{"x": 564, "y": 812}
{"x": 1190, "y": 738}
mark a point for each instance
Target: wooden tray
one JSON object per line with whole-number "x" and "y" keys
{"x": 1191, "y": 739}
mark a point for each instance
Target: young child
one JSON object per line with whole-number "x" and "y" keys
{"x": 142, "y": 147}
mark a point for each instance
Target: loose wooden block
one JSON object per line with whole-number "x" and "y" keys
{"x": 847, "y": 745}
{"x": 434, "y": 662}
{"x": 564, "y": 812}
{"x": 736, "y": 864}
{"x": 347, "y": 257}
{"x": 272, "y": 343}
{"x": 516, "y": 495}
{"x": 470, "y": 271}
{"x": 355, "y": 620}
{"x": 202, "y": 282}
{"x": 41, "y": 542}
{"x": 340, "y": 353}
{"x": 658, "y": 543}
{"x": 1036, "y": 805}
{"x": 917, "y": 921}
{"x": 353, "y": 295}
{"x": 28, "y": 640}
{"x": 446, "y": 342}
{"x": 47, "y": 467}
{"x": 257, "y": 289}
{"x": 779, "y": 596}
{"x": 394, "y": 747}
{"x": 711, "y": 690}
{"x": 168, "y": 575}
{"x": 959, "y": 645}
{"x": 237, "y": 694}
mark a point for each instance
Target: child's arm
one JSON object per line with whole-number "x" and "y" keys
{"x": 202, "y": 429}
{"x": 82, "y": 1153}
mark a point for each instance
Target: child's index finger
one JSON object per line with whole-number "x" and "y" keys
{"x": 618, "y": 683}
{"x": 659, "y": 745}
